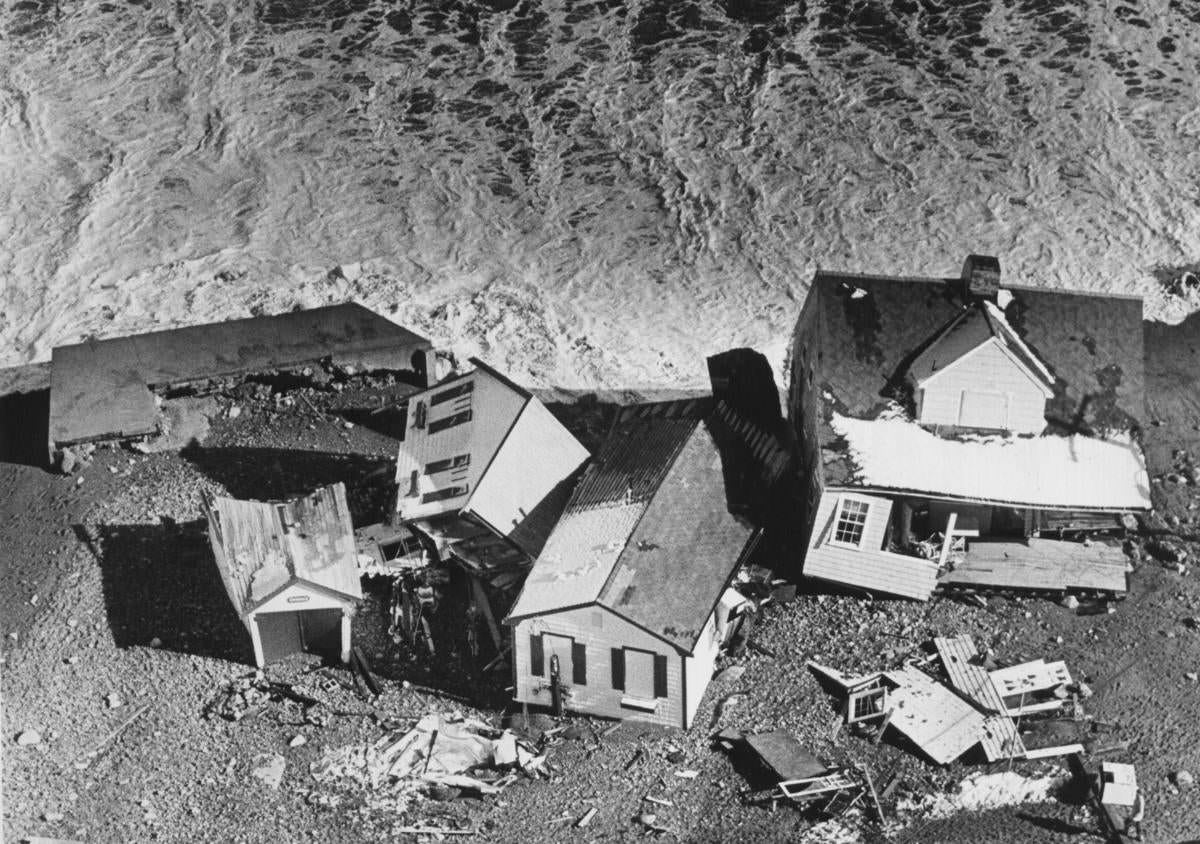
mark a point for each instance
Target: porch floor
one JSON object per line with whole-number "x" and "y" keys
{"x": 1041, "y": 564}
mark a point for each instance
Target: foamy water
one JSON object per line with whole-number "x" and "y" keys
{"x": 587, "y": 194}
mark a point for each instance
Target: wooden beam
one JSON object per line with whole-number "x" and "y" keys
{"x": 481, "y": 600}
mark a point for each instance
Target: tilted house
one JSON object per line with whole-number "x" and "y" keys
{"x": 624, "y": 596}
{"x": 480, "y": 447}
{"x": 947, "y": 427}
{"x": 291, "y": 570}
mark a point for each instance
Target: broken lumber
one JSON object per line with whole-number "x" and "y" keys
{"x": 587, "y": 818}
{"x": 481, "y": 600}
{"x": 862, "y": 769}
{"x": 91, "y": 755}
{"x": 359, "y": 664}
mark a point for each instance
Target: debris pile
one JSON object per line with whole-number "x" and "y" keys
{"x": 965, "y": 706}
{"x": 442, "y": 756}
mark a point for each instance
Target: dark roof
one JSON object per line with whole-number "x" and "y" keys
{"x": 871, "y": 329}
{"x": 656, "y": 495}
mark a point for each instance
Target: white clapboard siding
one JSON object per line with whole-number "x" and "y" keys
{"x": 600, "y": 630}
{"x": 538, "y": 454}
{"x": 867, "y": 567}
{"x": 991, "y": 373}
{"x": 494, "y": 408}
{"x": 699, "y": 666}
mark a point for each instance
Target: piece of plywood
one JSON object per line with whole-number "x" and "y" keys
{"x": 785, "y": 756}
{"x": 1041, "y": 564}
{"x": 932, "y": 716}
{"x": 1000, "y": 738}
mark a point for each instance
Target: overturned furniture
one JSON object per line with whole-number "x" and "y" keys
{"x": 798, "y": 777}
{"x": 990, "y": 442}
{"x": 290, "y": 569}
{"x": 111, "y": 389}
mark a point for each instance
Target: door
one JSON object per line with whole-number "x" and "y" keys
{"x": 321, "y": 631}
{"x": 983, "y": 410}
{"x": 559, "y": 646}
{"x": 280, "y": 634}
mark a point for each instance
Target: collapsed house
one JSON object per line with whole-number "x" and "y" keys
{"x": 948, "y": 429}
{"x": 961, "y": 709}
{"x": 112, "y": 389}
{"x": 621, "y": 615}
{"x": 482, "y": 474}
{"x": 291, "y": 570}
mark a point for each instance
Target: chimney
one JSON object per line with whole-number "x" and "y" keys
{"x": 981, "y": 275}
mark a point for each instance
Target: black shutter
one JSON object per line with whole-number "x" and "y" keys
{"x": 579, "y": 663}
{"x": 660, "y": 675}
{"x": 537, "y": 660}
{"x": 618, "y": 669}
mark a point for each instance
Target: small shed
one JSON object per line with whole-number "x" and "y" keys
{"x": 290, "y": 568}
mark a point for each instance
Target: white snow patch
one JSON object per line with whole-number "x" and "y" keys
{"x": 1045, "y": 471}
{"x": 979, "y": 792}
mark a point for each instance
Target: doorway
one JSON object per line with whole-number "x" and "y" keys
{"x": 309, "y": 631}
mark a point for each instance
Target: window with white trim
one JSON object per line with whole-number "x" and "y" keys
{"x": 851, "y": 522}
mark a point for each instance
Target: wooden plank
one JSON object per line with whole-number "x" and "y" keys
{"x": 481, "y": 601}
{"x": 934, "y": 718}
{"x": 1041, "y": 564}
{"x": 1000, "y": 738}
{"x": 785, "y": 756}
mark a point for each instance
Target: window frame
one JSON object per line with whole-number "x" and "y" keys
{"x": 843, "y": 500}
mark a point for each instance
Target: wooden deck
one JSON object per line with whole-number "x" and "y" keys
{"x": 1041, "y": 565}
{"x": 1000, "y": 737}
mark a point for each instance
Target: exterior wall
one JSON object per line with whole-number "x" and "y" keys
{"x": 494, "y": 407}
{"x": 986, "y": 369}
{"x": 299, "y": 597}
{"x": 600, "y": 630}
{"x": 698, "y": 668}
{"x": 869, "y": 566}
{"x": 537, "y": 455}
{"x": 804, "y": 407}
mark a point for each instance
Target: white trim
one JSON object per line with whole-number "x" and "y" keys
{"x": 639, "y": 703}
{"x": 837, "y": 514}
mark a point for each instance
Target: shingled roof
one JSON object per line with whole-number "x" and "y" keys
{"x": 648, "y": 532}
{"x": 873, "y": 329}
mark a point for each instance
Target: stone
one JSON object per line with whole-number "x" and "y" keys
{"x": 297, "y": 741}
{"x": 1192, "y": 675}
{"x": 113, "y": 700}
{"x": 156, "y": 642}
{"x": 28, "y": 738}
{"x": 1070, "y": 602}
{"x": 1183, "y": 780}
{"x": 53, "y": 817}
{"x": 732, "y": 673}
{"x": 235, "y": 411}
{"x": 268, "y": 769}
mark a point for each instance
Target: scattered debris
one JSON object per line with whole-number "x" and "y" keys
{"x": 1183, "y": 780}
{"x": 96, "y": 751}
{"x": 587, "y": 818}
{"x": 798, "y": 776}
{"x": 298, "y": 740}
{"x": 113, "y": 700}
{"x": 29, "y": 738}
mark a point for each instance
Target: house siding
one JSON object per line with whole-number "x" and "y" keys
{"x": 494, "y": 408}
{"x": 867, "y": 567}
{"x": 698, "y": 668}
{"x": 986, "y": 369}
{"x": 598, "y": 697}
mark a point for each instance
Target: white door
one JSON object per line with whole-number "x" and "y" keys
{"x": 639, "y": 675}
{"x": 983, "y": 410}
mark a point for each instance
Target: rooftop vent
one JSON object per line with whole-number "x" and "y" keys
{"x": 981, "y": 275}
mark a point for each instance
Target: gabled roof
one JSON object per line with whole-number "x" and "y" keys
{"x": 978, "y": 323}
{"x": 261, "y": 547}
{"x": 648, "y": 532}
{"x": 870, "y": 330}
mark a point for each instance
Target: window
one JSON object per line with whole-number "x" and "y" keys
{"x": 447, "y": 464}
{"x": 866, "y": 705}
{"x": 463, "y": 389}
{"x": 443, "y": 494}
{"x": 851, "y": 521}
{"x": 449, "y": 421}
{"x": 979, "y": 409}
{"x": 641, "y": 675}
{"x": 419, "y": 415}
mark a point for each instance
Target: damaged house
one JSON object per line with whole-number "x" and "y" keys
{"x": 622, "y": 614}
{"x": 291, "y": 571}
{"x": 483, "y": 471}
{"x": 951, "y": 431}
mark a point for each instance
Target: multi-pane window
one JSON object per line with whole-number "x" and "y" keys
{"x": 449, "y": 421}
{"x": 444, "y": 494}
{"x": 446, "y": 465}
{"x": 851, "y": 521}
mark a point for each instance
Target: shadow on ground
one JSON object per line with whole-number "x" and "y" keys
{"x": 159, "y": 581}
{"x": 278, "y": 473}
{"x": 25, "y": 428}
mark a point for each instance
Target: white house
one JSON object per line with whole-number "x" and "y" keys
{"x": 291, "y": 570}
{"x": 480, "y": 446}
{"x": 947, "y": 428}
{"x": 625, "y": 597}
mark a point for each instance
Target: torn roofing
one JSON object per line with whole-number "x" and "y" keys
{"x": 871, "y": 329}
{"x": 975, "y": 325}
{"x": 263, "y": 546}
{"x": 648, "y": 532}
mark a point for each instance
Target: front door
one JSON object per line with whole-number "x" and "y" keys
{"x": 559, "y": 646}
